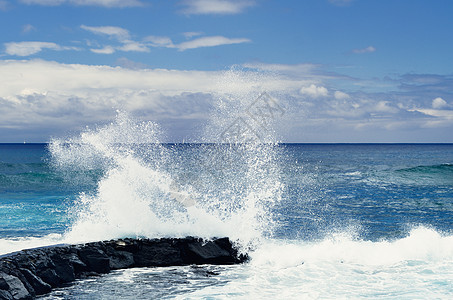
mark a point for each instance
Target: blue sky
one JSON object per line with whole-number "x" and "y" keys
{"x": 344, "y": 70}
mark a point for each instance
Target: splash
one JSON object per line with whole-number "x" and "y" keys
{"x": 148, "y": 189}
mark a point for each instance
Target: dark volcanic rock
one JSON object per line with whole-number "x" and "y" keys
{"x": 95, "y": 258}
{"x": 28, "y": 273}
{"x": 13, "y": 288}
{"x": 160, "y": 253}
{"x": 39, "y": 286}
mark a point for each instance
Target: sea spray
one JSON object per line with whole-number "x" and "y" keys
{"x": 143, "y": 189}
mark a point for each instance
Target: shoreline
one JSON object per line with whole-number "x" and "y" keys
{"x": 29, "y": 273}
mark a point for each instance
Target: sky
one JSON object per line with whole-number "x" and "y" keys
{"x": 342, "y": 71}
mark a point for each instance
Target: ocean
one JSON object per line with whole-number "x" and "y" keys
{"x": 322, "y": 221}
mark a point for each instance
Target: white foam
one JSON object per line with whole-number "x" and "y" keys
{"x": 9, "y": 245}
{"x": 421, "y": 244}
{"x": 419, "y": 266}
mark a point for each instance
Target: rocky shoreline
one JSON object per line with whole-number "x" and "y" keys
{"x": 30, "y": 273}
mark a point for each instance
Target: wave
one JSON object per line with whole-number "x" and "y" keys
{"x": 341, "y": 266}
{"x": 149, "y": 190}
{"x": 433, "y": 169}
{"x": 9, "y": 245}
{"x": 440, "y": 174}
{"x": 421, "y": 244}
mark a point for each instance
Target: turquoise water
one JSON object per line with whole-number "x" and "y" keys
{"x": 320, "y": 220}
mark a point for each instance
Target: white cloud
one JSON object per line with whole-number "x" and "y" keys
{"x": 383, "y": 106}
{"x": 28, "y": 28}
{"x": 105, "y": 50}
{"x": 439, "y": 103}
{"x": 210, "y": 41}
{"x": 199, "y": 7}
{"x": 116, "y": 32}
{"x": 446, "y": 114}
{"x": 72, "y": 95}
{"x": 191, "y": 34}
{"x": 307, "y": 72}
{"x": 104, "y": 3}
{"x": 131, "y": 46}
{"x": 339, "y": 95}
{"x": 314, "y": 91}
{"x": 159, "y": 41}
{"x": 30, "y": 48}
{"x": 368, "y": 49}
{"x": 207, "y": 41}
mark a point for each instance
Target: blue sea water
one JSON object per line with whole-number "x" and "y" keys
{"x": 319, "y": 220}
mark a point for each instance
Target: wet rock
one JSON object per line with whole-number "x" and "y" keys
{"x": 159, "y": 253}
{"x": 29, "y": 273}
{"x": 39, "y": 286}
{"x": 14, "y": 287}
{"x": 95, "y": 259}
{"x": 121, "y": 260}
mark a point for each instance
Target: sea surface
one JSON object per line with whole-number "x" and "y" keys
{"x": 322, "y": 221}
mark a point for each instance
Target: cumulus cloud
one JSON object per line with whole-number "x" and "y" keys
{"x": 385, "y": 107}
{"x": 29, "y": 48}
{"x": 104, "y": 3}
{"x": 71, "y": 96}
{"x": 368, "y": 49}
{"x": 314, "y": 91}
{"x": 339, "y": 95}
{"x": 210, "y": 41}
{"x": 200, "y": 7}
{"x": 76, "y": 95}
{"x": 439, "y": 103}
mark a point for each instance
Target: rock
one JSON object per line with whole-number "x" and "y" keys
{"x": 50, "y": 277}
{"x": 4, "y": 295}
{"x": 14, "y": 287}
{"x": 121, "y": 260}
{"x": 63, "y": 268}
{"x": 77, "y": 265}
{"x": 95, "y": 259}
{"x": 207, "y": 253}
{"x": 159, "y": 253}
{"x": 29, "y": 273}
{"x": 39, "y": 286}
